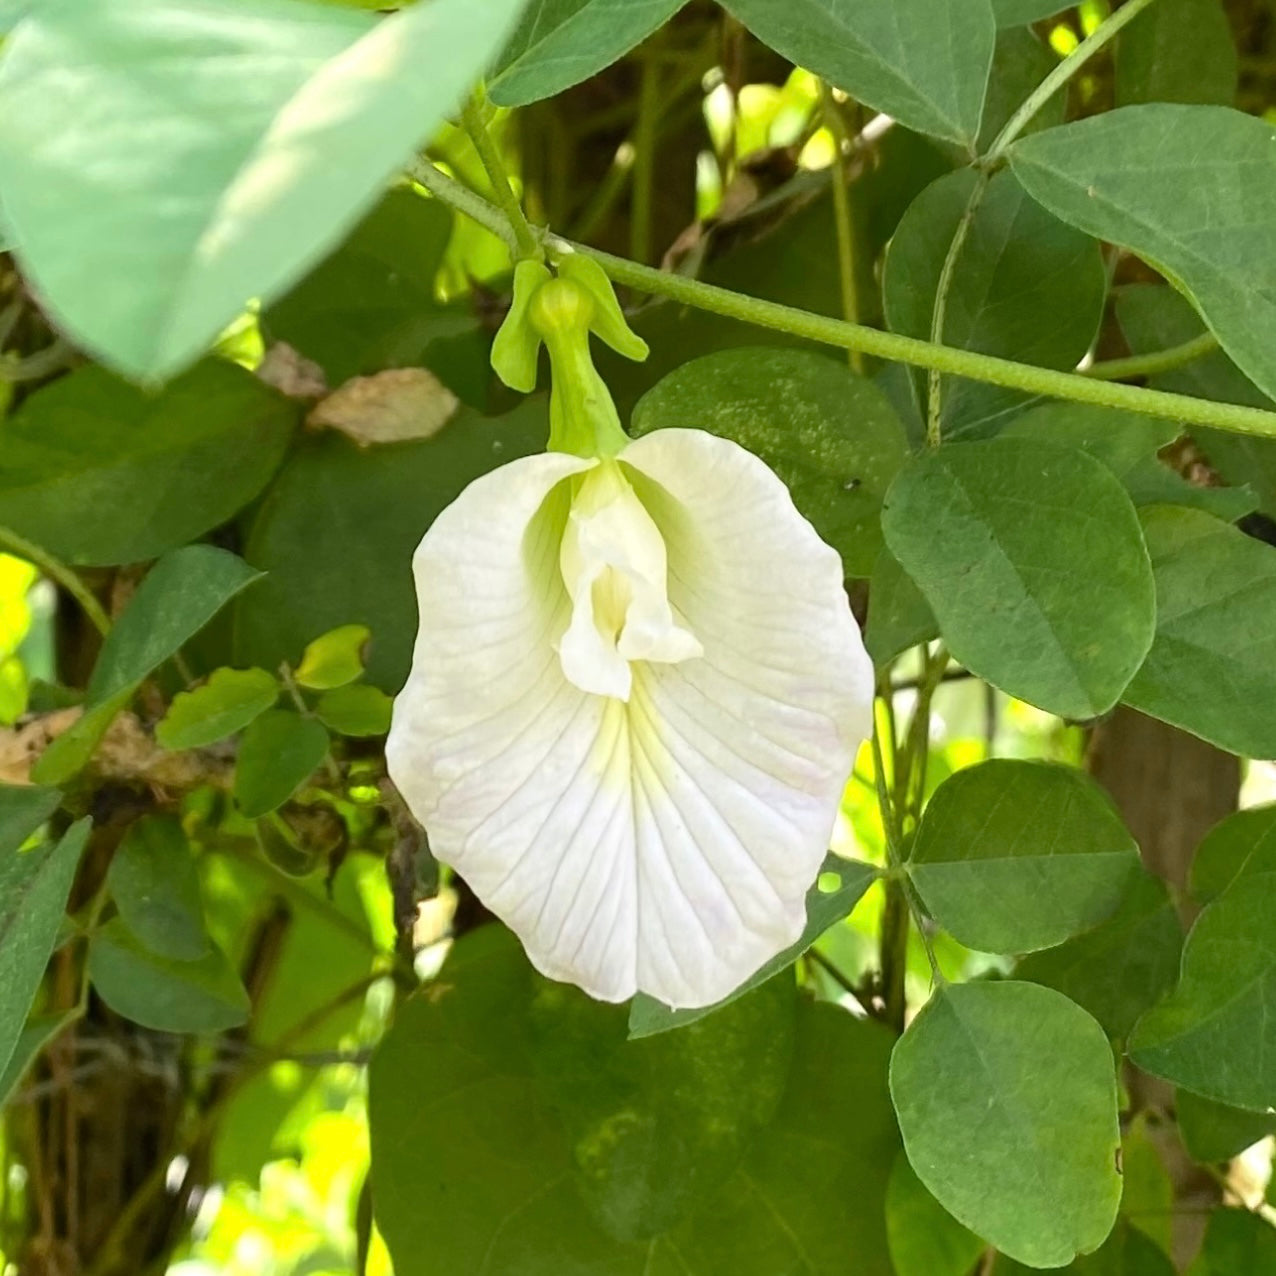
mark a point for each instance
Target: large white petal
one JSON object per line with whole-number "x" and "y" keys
{"x": 740, "y": 757}
{"x": 665, "y": 844}
{"x": 520, "y": 778}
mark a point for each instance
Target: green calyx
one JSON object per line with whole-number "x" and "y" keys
{"x": 560, "y": 311}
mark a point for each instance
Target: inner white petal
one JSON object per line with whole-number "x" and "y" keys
{"x": 614, "y": 566}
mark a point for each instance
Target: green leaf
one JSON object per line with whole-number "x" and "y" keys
{"x": 1178, "y": 51}
{"x": 34, "y": 886}
{"x": 1176, "y": 185}
{"x": 548, "y": 1143}
{"x": 829, "y": 434}
{"x": 22, "y": 810}
{"x": 334, "y": 659}
{"x": 278, "y": 753}
{"x": 180, "y": 595}
{"x": 337, "y": 531}
{"x": 839, "y": 887}
{"x": 226, "y": 703}
{"x": 1147, "y": 1192}
{"x": 1057, "y": 608}
{"x": 355, "y": 711}
{"x": 159, "y": 993}
{"x": 1215, "y": 1034}
{"x": 71, "y": 751}
{"x": 1007, "y": 1100}
{"x": 1012, "y": 13}
{"x": 1236, "y": 1241}
{"x": 269, "y": 179}
{"x": 154, "y": 884}
{"x": 899, "y": 616}
{"x": 558, "y": 43}
{"x": 924, "y": 62}
{"x": 1154, "y": 317}
{"x": 1121, "y": 967}
{"x": 38, "y": 1032}
{"x": 1013, "y": 856}
{"x": 1242, "y": 844}
{"x": 925, "y": 1239}
{"x": 99, "y": 472}
{"x": 1021, "y": 61}
{"x": 1024, "y": 286}
{"x": 1213, "y": 1132}
{"x": 1127, "y": 1252}
{"x": 370, "y": 305}
{"x": 1211, "y": 669}
{"x": 1128, "y": 445}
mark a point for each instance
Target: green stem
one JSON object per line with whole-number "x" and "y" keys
{"x": 1188, "y": 409}
{"x": 934, "y": 397}
{"x": 644, "y": 171}
{"x": 1061, "y": 75}
{"x": 472, "y": 117}
{"x": 58, "y": 571}
{"x": 1147, "y": 365}
{"x": 845, "y": 227}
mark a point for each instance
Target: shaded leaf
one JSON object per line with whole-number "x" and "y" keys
{"x": 1024, "y": 286}
{"x": 278, "y": 753}
{"x": 1178, "y": 51}
{"x": 1236, "y": 1241}
{"x": 22, "y": 810}
{"x": 370, "y": 304}
{"x": 34, "y": 886}
{"x": 1243, "y": 843}
{"x": 1215, "y": 1034}
{"x": 559, "y": 43}
{"x": 155, "y": 886}
{"x": 1127, "y": 444}
{"x": 552, "y": 1144}
{"x": 1211, "y": 669}
{"x": 38, "y": 1032}
{"x": 899, "y": 616}
{"x": 1020, "y": 12}
{"x": 337, "y": 531}
{"x": 826, "y": 905}
{"x": 1055, "y": 610}
{"x": 1022, "y": 1081}
{"x": 226, "y": 703}
{"x": 1177, "y": 185}
{"x": 829, "y": 434}
{"x": 925, "y": 1239}
{"x": 157, "y": 992}
{"x": 97, "y": 471}
{"x": 1213, "y": 1132}
{"x": 924, "y": 62}
{"x": 1012, "y": 856}
{"x": 1154, "y": 317}
{"x": 1121, "y": 967}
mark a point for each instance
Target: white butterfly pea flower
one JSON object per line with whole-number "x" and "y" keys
{"x": 636, "y": 696}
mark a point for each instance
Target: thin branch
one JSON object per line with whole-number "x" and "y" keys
{"x": 1061, "y": 75}
{"x": 1189, "y": 409}
{"x": 59, "y": 572}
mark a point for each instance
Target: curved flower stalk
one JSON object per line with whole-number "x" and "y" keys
{"x": 636, "y": 696}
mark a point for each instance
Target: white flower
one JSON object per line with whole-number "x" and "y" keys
{"x": 636, "y": 697}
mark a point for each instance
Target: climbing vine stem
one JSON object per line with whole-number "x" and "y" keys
{"x": 1045, "y": 382}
